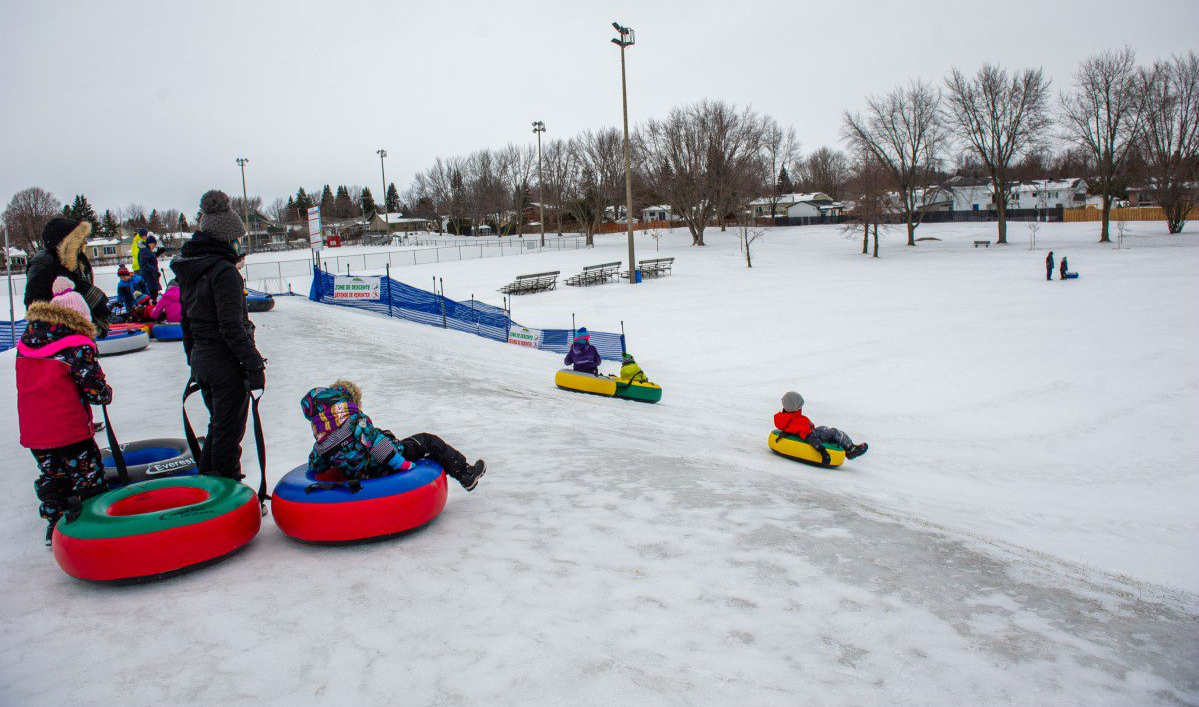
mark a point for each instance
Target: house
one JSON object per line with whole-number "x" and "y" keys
{"x": 791, "y": 205}
{"x": 968, "y": 194}
{"x": 397, "y": 222}
{"x": 16, "y": 258}
{"x": 661, "y": 212}
{"x": 108, "y": 249}
{"x": 1048, "y": 194}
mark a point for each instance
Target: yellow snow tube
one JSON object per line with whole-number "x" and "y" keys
{"x": 612, "y": 387}
{"x": 795, "y": 448}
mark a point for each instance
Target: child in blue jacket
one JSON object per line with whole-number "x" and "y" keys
{"x": 347, "y": 441}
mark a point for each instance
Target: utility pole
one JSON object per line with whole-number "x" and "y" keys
{"x": 539, "y": 127}
{"x": 12, "y": 315}
{"x": 383, "y": 171}
{"x": 627, "y": 39}
{"x": 245, "y": 204}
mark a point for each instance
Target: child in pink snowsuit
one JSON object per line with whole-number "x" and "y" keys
{"x": 169, "y": 308}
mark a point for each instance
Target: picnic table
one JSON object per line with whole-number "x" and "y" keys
{"x": 595, "y": 274}
{"x": 534, "y": 282}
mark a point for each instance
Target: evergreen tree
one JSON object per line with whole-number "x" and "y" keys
{"x": 343, "y": 206}
{"x": 289, "y": 211}
{"x": 81, "y": 210}
{"x": 183, "y": 227}
{"x": 109, "y": 226}
{"x": 303, "y": 202}
{"x": 785, "y": 186}
{"x": 154, "y": 223}
{"x": 393, "y": 198}
{"x": 66, "y": 212}
{"x": 368, "y": 201}
{"x": 327, "y": 202}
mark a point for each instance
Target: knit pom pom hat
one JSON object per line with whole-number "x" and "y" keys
{"x": 582, "y": 334}
{"x": 217, "y": 218}
{"x": 792, "y": 401}
{"x": 65, "y": 296}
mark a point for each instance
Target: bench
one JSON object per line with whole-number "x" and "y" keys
{"x": 653, "y": 267}
{"x": 535, "y": 282}
{"x": 595, "y": 274}
{"x": 985, "y": 244}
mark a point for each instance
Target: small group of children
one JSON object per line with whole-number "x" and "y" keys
{"x": 586, "y": 359}
{"x": 131, "y": 293}
{"x": 58, "y": 379}
{"x": 792, "y": 421}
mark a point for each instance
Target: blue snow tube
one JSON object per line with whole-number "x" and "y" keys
{"x": 260, "y": 302}
{"x": 328, "y": 508}
{"x": 167, "y": 332}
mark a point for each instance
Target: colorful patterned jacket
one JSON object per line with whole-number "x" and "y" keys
{"x": 346, "y": 439}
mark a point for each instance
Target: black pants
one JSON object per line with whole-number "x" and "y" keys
{"x": 1049, "y": 273}
{"x": 428, "y": 446}
{"x": 71, "y": 471}
{"x": 223, "y": 386}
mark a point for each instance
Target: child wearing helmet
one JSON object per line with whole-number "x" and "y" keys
{"x": 582, "y": 355}
{"x": 792, "y": 421}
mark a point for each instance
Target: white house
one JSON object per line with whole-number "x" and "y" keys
{"x": 1048, "y": 194}
{"x": 661, "y": 212}
{"x": 790, "y": 205}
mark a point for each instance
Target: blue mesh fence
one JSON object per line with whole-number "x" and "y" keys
{"x": 6, "y": 333}
{"x": 397, "y": 299}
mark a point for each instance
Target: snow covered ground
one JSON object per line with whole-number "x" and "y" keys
{"x": 1023, "y": 530}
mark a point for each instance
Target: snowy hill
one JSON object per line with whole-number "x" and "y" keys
{"x": 1023, "y": 530}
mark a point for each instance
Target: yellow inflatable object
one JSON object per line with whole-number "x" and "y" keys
{"x": 611, "y": 387}
{"x": 795, "y": 448}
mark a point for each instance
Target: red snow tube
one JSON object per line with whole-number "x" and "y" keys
{"x": 328, "y": 508}
{"x": 156, "y": 529}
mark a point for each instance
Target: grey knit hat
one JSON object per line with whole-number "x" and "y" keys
{"x": 792, "y": 401}
{"x": 217, "y": 219}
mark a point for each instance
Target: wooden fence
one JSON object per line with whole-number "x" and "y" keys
{"x": 1132, "y": 213}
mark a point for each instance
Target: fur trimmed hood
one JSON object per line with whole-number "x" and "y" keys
{"x": 69, "y": 248}
{"x": 350, "y": 388}
{"x": 54, "y": 314}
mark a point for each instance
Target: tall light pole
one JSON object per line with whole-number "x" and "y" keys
{"x": 627, "y": 39}
{"x": 539, "y": 127}
{"x": 386, "y": 208}
{"x": 12, "y": 314}
{"x": 245, "y": 204}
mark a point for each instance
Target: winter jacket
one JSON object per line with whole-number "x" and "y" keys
{"x": 584, "y": 357}
{"x": 169, "y": 307}
{"x": 633, "y": 373}
{"x": 148, "y": 260}
{"x": 1049, "y": 262}
{"x": 346, "y": 439}
{"x": 1064, "y": 269}
{"x": 793, "y": 423}
{"x": 136, "y": 252}
{"x": 126, "y": 290}
{"x": 65, "y": 257}
{"x": 58, "y": 378}
{"x": 215, "y": 321}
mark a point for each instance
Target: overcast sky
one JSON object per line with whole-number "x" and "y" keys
{"x": 151, "y": 102}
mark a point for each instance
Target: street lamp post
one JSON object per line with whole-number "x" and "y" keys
{"x": 627, "y": 39}
{"x": 383, "y": 171}
{"x": 245, "y": 204}
{"x": 539, "y": 127}
{"x": 12, "y": 314}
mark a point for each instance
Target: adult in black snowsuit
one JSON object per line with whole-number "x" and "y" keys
{"x": 1065, "y": 268}
{"x": 1049, "y": 266}
{"x": 62, "y": 254}
{"x": 147, "y": 259}
{"x": 218, "y": 337}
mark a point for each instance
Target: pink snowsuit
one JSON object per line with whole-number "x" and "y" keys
{"x": 169, "y": 305}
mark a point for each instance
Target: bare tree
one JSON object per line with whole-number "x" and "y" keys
{"x": 999, "y": 118}
{"x": 780, "y": 148}
{"x": 26, "y": 214}
{"x": 278, "y": 210}
{"x": 594, "y": 178}
{"x": 699, "y": 159}
{"x": 871, "y": 188}
{"x": 1103, "y": 116}
{"x": 1169, "y": 140}
{"x": 826, "y": 170}
{"x": 904, "y": 132}
{"x": 556, "y": 163}
{"x": 748, "y": 234}
{"x": 516, "y": 165}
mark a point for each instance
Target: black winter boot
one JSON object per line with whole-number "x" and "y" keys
{"x": 470, "y": 477}
{"x": 50, "y": 535}
{"x": 856, "y": 451}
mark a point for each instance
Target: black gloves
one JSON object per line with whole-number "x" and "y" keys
{"x": 255, "y": 379}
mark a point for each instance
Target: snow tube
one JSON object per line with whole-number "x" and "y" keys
{"x": 260, "y": 303}
{"x": 167, "y": 332}
{"x": 326, "y": 508}
{"x": 157, "y": 529}
{"x": 605, "y": 385}
{"x": 795, "y": 448}
{"x": 1071, "y": 276}
{"x": 130, "y": 326}
{"x": 120, "y": 342}
{"x": 151, "y": 459}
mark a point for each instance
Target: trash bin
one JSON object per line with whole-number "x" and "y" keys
{"x": 637, "y": 275}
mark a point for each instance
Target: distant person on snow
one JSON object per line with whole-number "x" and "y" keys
{"x": 129, "y": 290}
{"x": 169, "y": 307}
{"x": 58, "y": 378}
{"x": 148, "y": 260}
{"x": 630, "y": 371}
{"x": 1049, "y": 266}
{"x": 582, "y": 355}
{"x": 348, "y": 442}
{"x": 792, "y": 421}
{"x": 1065, "y": 269}
{"x": 136, "y": 247}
